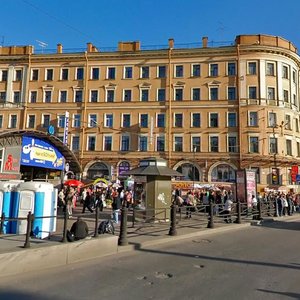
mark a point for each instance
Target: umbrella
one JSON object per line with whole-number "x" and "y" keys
{"x": 116, "y": 185}
{"x": 101, "y": 184}
{"x": 73, "y": 182}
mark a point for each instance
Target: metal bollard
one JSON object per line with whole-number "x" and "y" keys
{"x": 122, "y": 241}
{"x": 259, "y": 206}
{"x": 2, "y": 223}
{"x": 211, "y": 216}
{"x": 64, "y": 239}
{"x": 173, "y": 230}
{"x": 276, "y": 208}
{"x": 28, "y": 230}
{"x": 238, "y": 208}
{"x": 96, "y": 221}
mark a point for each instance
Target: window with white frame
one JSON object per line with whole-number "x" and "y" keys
{"x": 214, "y": 93}
{"x": 289, "y": 150}
{"x": 231, "y": 69}
{"x": 231, "y": 119}
{"x": 2, "y": 97}
{"x": 270, "y": 69}
{"x": 253, "y": 144}
{"x": 17, "y": 96}
{"x": 285, "y": 72}
{"x": 64, "y": 74}
{"x": 252, "y": 68}
{"x": 3, "y": 75}
{"x": 144, "y": 95}
{"x": 297, "y": 124}
{"x": 286, "y": 96}
{"x": 252, "y": 91}
{"x": 161, "y": 94}
{"x": 78, "y": 96}
{"x": 232, "y": 144}
{"x": 110, "y": 95}
{"x": 161, "y": 71}
{"x": 144, "y": 120}
{"x": 178, "y": 93}
{"x": 92, "y": 120}
{"x": 196, "y": 144}
{"x": 18, "y": 75}
{"x": 63, "y": 95}
{"x": 126, "y": 123}
{"x": 109, "y": 120}
{"x": 107, "y": 143}
{"x": 76, "y": 120}
{"x": 111, "y": 73}
{"x": 75, "y": 143}
{"x": 34, "y": 75}
{"x": 47, "y": 96}
{"x": 79, "y": 73}
{"x": 45, "y": 121}
{"x": 213, "y": 143}
{"x": 213, "y": 119}
{"x": 271, "y": 93}
{"x": 143, "y": 143}
{"x": 61, "y": 120}
{"x": 91, "y": 143}
{"x": 179, "y": 71}
{"x": 145, "y": 72}
{"x": 231, "y": 93}
{"x": 178, "y": 143}
{"x": 95, "y": 73}
{"x": 294, "y": 74}
{"x": 253, "y": 118}
{"x": 49, "y": 74}
{"x": 1, "y": 121}
{"x": 195, "y": 94}
{"x": 94, "y": 96}
{"x": 160, "y": 143}
{"x": 288, "y": 122}
{"x": 196, "y": 120}
{"x": 273, "y": 145}
{"x": 272, "y": 119}
{"x": 127, "y": 94}
{"x": 160, "y": 120}
{"x": 178, "y": 120}
{"x": 298, "y": 149}
{"x": 128, "y": 72}
{"x": 13, "y": 121}
{"x": 213, "y": 70}
{"x": 125, "y": 142}
{"x": 33, "y": 97}
{"x": 31, "y": 121}
{"x": 196, "y": 71}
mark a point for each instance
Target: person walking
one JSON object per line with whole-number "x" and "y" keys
{"x": 69, "y": 201}
{"x": 116, "y": 205}
{"x": 227, "y": 210}
{"x": 87, "y": 203}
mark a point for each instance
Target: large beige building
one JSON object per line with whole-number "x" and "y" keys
{"x": 208, "y": 111}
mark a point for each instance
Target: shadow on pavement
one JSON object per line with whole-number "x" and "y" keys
{"x": 291, "y": 295}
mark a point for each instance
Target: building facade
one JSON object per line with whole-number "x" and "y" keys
{"x": 208, "y": 111}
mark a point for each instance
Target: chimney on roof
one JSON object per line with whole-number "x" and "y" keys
{"x": 89, "y": 47}
{"x": 204, "y": 41}
{"x": 171, "y": 43}
{"x": 59, "y": 48}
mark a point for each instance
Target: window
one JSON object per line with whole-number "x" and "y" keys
{"x": 272, "y": 119}
{"x": 213, "y": 92}
{"x": 144, "y": 120}
{"x": 271, "y": 93}
{"x": 95, "y": 73}
{"x": 13, "y": 121}
{"x": 4, "y": 75}
{"x": 196, "y": 70}
{"x": 61, "y": 121}
{"x": 213, "y": 120}
{"x": 17, "y": 97}
{"x": 231, "y": 71}
{"x": 107, "y": 143}
{"x": 91, "y": 144}
{"x": 161, "y": 71}
{"x": 289, "y": 147}
{"x": 213, "y": 70}
{"x": 286, "y": 95}
{"x": 143, "y": 143}
{"x": 285, "y": 72}
{"x": 179, "y": 71}
{"x": 1, "y": 121}
{"x": 252, "y": 68}
{"x": 94, "y": 96}
{"x": 128, "y": 72}
{"x": 126, "y": 120}
{"x": 124, "y": 143}
{"x": 196, "y": 144}
{"x": 45, "y": 121}
{"x": 270, "y": 70}
{"x": 109, "y": 120}
{"x": 2, "y": 97}
{"x": 127, "y": 95}
{"x": 294, "y": 76}
{"x": 75, "y": 143}
{"x": 76, "y": 121}
{"x": 298, "y": 145}
{"x": 63, "y": 96}
{"x": 145, "y": 72}
{"x": 79, "y": 74}
{"x": 288, "y": 123}
{"x": 47, "y": 96}
{"x": 34, "y": 74}
{"x": 160, "y": 143}
{"x": 232, "y": 144}
{"x": 297, "y": 125}
{"x": 231, "y": 93}
{"x": 214, "y": 143}
{"x": 178, "y": 94}
{"x": 18, "y": 75}
{"x": 64, "y": 74}
{"x": 111, "y": 73}
{"x": 195, "y": 94}
{"x": 196, "y": 120}
{"x": 252, "y": 92}
{"x": 160, "y": 120}
{"x": 49, "y": 74}
{"x": 178, "y": 144}
{"x": 253, "y": 144}
{"x": 31, "y": 121}
{"x": 273, "y": 145}
{"x": 144, "y": 95}
{"x": 92, "y": 120}
{"x": 78, "y": 96}
{"x": 161, "y": 95}
{"x": 33, "y": 97}
{"x": 253, "y": 119}
{"x": 110, "y": 95}
{"x": 178, "y": 120}
{"x": 232, "y": 121}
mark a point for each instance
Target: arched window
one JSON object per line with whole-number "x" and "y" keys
{"x": 98, "y": 170}
{"x": 189, "y": 171}
{"x": 223, "y": 173}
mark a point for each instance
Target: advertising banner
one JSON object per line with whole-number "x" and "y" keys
{"x": 294, "y": 173}
{"x": 11, "y": 162}
{"x": 38, "y": 153}
{"x": 240, "y": 186}
{"x": 250, "y": 186}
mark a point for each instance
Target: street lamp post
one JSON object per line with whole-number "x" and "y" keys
{"x": 194, "y": 167}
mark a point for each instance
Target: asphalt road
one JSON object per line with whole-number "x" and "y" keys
{"x": 254, "y": 263}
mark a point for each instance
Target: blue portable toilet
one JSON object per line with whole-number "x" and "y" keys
{"x": 40, "y": 199}
{"x": 7, "y": 196}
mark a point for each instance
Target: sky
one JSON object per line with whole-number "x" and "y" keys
{"x": 73, "y": 23}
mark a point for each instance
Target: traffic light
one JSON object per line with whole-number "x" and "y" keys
{"x": 275, "y": 176}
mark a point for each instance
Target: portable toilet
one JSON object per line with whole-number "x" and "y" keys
{"x": 40, "y": 199}
{"x": 7, "y": 196}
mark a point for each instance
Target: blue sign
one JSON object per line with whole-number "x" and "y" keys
{"x": 298, "y": 177}
{"x": 38, "y": 153}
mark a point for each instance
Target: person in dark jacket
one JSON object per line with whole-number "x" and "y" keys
{"x": 87, "y": 203}
{"x": 79, "y": 229}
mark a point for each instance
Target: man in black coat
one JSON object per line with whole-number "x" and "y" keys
{"x": 79, "y": 229}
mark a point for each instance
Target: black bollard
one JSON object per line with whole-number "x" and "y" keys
{"x": 2, "y": 223}
{"x": 28, "y": 230}
{"x": 122, "y": 241}
{"x": 259, "y": 206}
{"x": 64, "y": 239}
{"x": 276, "y": 208}
{"x": 96, "y": 234}
{"x": 211, "y": 216}
{"x": 238, "y": 208}
{"x": 173, "y": 230}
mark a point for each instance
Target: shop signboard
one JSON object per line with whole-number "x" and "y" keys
{"x": 294, "y": 173}
{"x": 39, "y": 153}
{"x": 11, "y": 160}
{"x": 245, "y": 185}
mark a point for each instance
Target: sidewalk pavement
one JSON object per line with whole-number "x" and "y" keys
{"x": 47, "y": 253}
